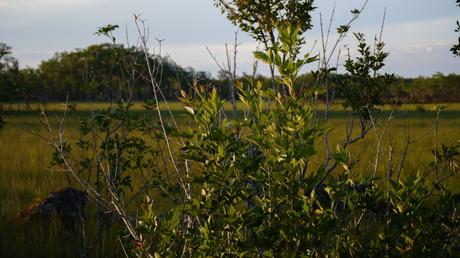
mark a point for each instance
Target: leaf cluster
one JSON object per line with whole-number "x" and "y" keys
{"x": 260, "y": 18}
{"x": 456, "y": 47}
{"x": 363, "y": 87}
{"x": 284, "y": 55}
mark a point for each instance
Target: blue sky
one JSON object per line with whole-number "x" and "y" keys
{"x": 418, "y": 33}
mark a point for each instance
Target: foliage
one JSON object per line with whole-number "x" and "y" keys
{"x": 283, "y": 56}
{"x": 363, "y": 87}
{"x": 456, "y": 48}
{"x": 260, "y": 18}
{"x": 8, "y": 78}
{"x": 7, "y": 61}
{"x": 254, "y": 194}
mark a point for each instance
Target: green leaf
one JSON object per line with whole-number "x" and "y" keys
{"x": 189, "y": 110}
{"x": 261, "y": 56}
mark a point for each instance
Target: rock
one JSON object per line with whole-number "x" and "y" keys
{"x": 67, "y": 204}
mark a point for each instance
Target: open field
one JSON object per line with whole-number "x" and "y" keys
{"x": 25, "y": 158}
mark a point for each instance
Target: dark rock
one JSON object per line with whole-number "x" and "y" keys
{"x": 67, "y": 204}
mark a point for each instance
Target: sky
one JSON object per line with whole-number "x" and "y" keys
{"x": 418, "y": 33}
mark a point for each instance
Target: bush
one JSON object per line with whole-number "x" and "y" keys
{"x": 247, "y": 188}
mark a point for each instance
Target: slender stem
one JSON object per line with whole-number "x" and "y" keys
{"x": 156, "y": 88}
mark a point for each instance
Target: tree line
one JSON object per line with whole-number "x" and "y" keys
{"x": 104, "y": 72}
{"x": 110, "y": 72}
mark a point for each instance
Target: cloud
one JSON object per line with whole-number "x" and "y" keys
{"x": 33, "y": 3}
{"x": 31, "y": 58}
{"x": 419, "y": 47}
{"x": 414, "y": 35}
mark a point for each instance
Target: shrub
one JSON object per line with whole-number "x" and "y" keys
{"x": 247, "y": 188}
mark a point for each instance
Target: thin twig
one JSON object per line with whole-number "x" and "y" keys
{"x": 156, "y": 88}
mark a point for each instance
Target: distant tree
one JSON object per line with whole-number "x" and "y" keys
{"x": 9, "y": 75}
{"x": 7, "y": 61}
{"x": 5, "y": 51}
{"x": 31, "y": 86}
{"x": 85, "y": 72}
{"x": 109, "y": 72}
{"x": 437, "y": 88}
{"x": 9, "y": 78}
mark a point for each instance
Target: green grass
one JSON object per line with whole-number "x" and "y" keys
{"x": 25, "y": 159}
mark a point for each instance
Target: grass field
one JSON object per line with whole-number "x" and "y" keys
{"x": 25, "y": 158}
